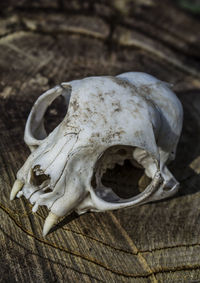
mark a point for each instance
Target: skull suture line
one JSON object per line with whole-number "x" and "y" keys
{"x": 109, "y": 119}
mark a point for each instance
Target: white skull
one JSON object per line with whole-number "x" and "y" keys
{"x": 109, "y": 119}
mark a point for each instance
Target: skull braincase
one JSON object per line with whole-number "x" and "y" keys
{"x": 109, "y": 119}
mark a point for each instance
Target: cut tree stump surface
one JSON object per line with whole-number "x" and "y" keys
{"x": 43, "y": 43}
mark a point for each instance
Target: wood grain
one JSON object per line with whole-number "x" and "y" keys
{"x": 44, "y": 43}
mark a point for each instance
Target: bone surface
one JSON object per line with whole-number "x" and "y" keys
{"x": 108, "y": 120}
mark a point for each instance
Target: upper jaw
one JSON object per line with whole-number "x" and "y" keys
{"x": 35, "y": 182}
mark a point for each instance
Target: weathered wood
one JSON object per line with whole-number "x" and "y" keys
{"x": 43, "y": 43}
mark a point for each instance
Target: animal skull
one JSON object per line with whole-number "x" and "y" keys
{"x": 109, "y": 119}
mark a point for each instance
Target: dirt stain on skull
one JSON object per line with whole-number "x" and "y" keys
{"x": 145, "y": 89}
{"x": 74, "y": 105}
{"x": 89, "y": 110}
{"x": 109, "y": 136}
{"x": 100, "y": 96}
{"x": 120, "y": 82}
{"x": 138, "y": 134}
{"x": 117, "y": 106}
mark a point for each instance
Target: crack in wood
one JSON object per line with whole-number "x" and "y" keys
{"x": 48, "y": 259}
{"x": 31, "y": 37}
{"x": 145, "y": 251}
{"x": 133, "y": 43}
{"x": 141, "y": 259}
{"x": 53, "y": 245}
{"x": 144, "y": 275}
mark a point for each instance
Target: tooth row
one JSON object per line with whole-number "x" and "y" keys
{"x": 51, "y": 218}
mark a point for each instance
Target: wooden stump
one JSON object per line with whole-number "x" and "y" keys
{"x": 43, "y": 43}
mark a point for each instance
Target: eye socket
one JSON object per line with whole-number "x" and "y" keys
{"x": 124, "y": 179}
{"x": 118, "y": 176}
{"x": 48, "y": 111}
{"x": 55, "y": 113}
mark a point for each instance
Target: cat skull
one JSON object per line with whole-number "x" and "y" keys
{"x": 109, "y": 119}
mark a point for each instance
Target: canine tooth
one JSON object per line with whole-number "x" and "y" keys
{"x": 49, "y": 223}
{"x": 16, "y": 188}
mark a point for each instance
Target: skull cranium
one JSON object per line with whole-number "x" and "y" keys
{"x": 109, "y": 119}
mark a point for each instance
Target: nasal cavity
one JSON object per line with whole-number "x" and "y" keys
{"x": 38, "y": 177}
